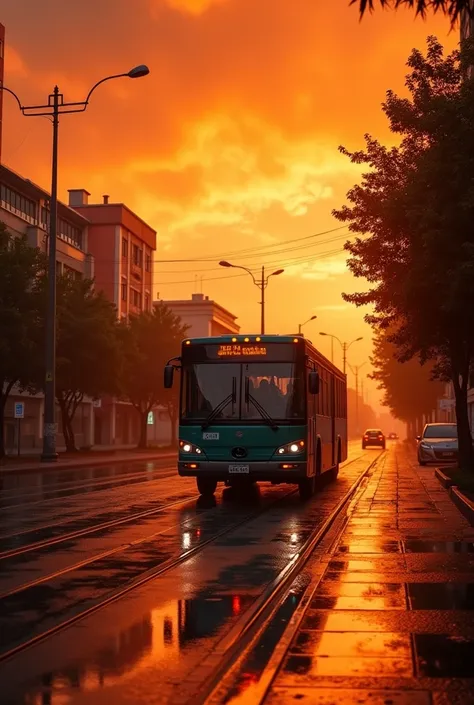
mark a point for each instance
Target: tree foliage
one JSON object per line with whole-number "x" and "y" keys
{"x": 20, "y": 265}
{"x": 452, "y": 8}
{"x": 408, "y": 388}
{"x": 87, "y": 348}
{"x": 149, "y": 341}
{"x": 416, "y": 203}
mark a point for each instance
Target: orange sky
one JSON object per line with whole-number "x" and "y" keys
{"x": 230, "y": 143}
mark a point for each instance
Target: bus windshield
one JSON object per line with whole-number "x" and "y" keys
{"x": 277, "y": 387}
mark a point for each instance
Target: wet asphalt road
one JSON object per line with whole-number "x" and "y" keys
{"x": 390, "y": 620}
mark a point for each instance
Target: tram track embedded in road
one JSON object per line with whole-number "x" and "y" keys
{"x": 236, "y": 643}
{"x": 80, "y": 533}
{"x": 95, "y": 485}
{"x": 142, "y": 578}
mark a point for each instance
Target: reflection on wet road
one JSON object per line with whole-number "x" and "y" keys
{"x": 144, "y": 646}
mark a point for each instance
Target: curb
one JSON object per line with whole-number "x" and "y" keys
{"x": 444, "y": 479}
{"x": 85, "y": 463}
{"x": 465, "y": 506}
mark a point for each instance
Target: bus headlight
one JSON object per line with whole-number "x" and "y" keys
{"x": 189, "y": 448}
{"x": 292, "y": 448}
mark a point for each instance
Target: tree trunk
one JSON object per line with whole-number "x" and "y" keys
{"x": 143, "y": 440}
{"x": 466, "y": 453}
{"x": 173, "y": 415}
{"x": 68, "y": 433}
{"x": 3, "y": 401}
{"x": 5, "y": 389}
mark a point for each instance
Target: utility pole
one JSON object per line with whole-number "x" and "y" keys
{"x": 355, "y": 371}
{"x": 262, "y": 285}
{"x": 53, "y": 109}
{"x": 345, "y": 347}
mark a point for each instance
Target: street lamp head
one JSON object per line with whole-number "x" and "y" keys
{"x": 323, "y": 334}
{"x": 138, "y": 71}
{"x": 278, "y": 271}
{"x": 223, "y": 263}
{"x": 357, "y": 339}
{"x": 313, "y": 318}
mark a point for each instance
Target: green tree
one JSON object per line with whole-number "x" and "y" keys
{"x": 149, "y": 341}
{"x": 416, "y": 203}
{"x": 409, "y": 389}
{"x": 452, "y": 8}
{"x": 20, "y": 265}
{"x": 87, "y": 348}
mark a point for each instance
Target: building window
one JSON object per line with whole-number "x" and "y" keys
{"x": 12, "y": 199}
{"x": 136, "y": 298}
{"x": 137, "y": 256}
{"x": 66, "y": 231}
{"x": 123, "y": 287}
{"x": 1, "y": 49}
{"x": 148, "y": 262}
{"x": 71, "y": 273}
{"x": 147, "y": 302}
{"x": 70, "y": 233}
{"x": 124, "y": 248}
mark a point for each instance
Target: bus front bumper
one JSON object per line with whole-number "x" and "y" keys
{"x": 225, "y": 470}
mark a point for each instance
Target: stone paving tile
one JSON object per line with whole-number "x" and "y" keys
{"x": 392, "y": 620}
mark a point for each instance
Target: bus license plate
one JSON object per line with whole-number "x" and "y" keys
{"x": 239, "y": 469}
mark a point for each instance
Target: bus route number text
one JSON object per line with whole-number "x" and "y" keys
{"x": 241, "y": 350}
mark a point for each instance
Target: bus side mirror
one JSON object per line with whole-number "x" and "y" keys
{"x": 313, "y": 383}
{"x": 168, "y": 376}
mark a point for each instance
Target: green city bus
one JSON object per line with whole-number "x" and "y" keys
{"x": 258, "y": 408}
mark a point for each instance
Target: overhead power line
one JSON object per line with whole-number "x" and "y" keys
{"x": 246, "y": 251}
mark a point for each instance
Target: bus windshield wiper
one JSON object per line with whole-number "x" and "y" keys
{"x": 263, "y": 412}
{"x": 222, "y": 405}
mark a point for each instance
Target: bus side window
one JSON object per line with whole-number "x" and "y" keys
{"x": 320, "y": 397}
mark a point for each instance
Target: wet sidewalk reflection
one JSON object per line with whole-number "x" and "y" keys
{"x": 392, "y": 618}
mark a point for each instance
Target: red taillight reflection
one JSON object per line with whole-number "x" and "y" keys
{"x": 235, "y": 604}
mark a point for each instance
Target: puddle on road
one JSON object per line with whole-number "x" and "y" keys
{"x": 156, "y": 641}
{"x": 415, "y": 546}
{"x": 441, "y": 596}
{"x": 444, "y": 656}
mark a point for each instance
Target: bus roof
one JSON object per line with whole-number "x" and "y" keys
{"x": 259, "y": 338}
{"x": 241, "y": 338}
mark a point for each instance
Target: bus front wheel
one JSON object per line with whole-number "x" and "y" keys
{"x": 307, "y": 487}
{"x": 206, "y": 486}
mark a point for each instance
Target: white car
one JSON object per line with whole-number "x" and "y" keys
{"x": 438, "y": 443}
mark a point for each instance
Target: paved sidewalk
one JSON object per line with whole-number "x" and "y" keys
{"x": 92, "y": 459}
{"x": 392, "y": 619}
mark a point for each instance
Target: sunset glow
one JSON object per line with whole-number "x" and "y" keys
{"x": 230, "y": 144}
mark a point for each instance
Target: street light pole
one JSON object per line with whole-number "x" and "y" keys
{"x": 355, "y": 370}
{"x": 345, "y": 347}
{"x": 53, "y": 109}
{"x": 300, "y": 326}
{"x": 262, "y": 285}
{"x": 49, "y": 424}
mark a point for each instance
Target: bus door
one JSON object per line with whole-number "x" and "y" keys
{"x": 333, "y": 419}
{"x": 311, "y": 424}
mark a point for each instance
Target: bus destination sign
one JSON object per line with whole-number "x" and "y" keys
{"x": 241, "y": 351}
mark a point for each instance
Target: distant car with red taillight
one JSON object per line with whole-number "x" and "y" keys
{"x": 373, "y": 437}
